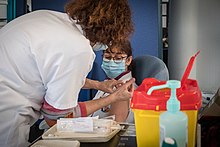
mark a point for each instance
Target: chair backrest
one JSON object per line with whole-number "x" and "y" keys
{"x": 149, "y": 67}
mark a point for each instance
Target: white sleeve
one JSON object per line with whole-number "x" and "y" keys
{"x": 63, "y": 67}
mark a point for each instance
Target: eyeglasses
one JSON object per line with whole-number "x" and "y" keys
{"x": 117, "y": 58}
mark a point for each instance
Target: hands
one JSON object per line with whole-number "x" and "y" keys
{"x": 124, "y": 92}
{"x": 109, "y": 86}
{"x": 120, "y": 91}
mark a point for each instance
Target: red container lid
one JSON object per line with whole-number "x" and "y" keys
{"x": 189, "y": 95}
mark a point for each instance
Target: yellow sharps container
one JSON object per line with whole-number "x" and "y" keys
{"x": 147, "y": 109}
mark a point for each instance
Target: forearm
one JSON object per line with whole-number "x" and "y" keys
{"x": 94, "y": 105}
{"x": 91, "y": 84}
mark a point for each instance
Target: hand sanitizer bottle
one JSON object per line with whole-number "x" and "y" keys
{"x": 173, "y": 122}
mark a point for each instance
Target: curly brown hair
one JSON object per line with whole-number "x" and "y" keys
{"x": 104, "y": 21}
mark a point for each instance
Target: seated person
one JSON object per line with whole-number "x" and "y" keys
{"x": 116, "y": 65}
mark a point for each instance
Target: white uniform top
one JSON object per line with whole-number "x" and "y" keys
{"x": 43, "y": 54}
{"x": 104, "y": 112}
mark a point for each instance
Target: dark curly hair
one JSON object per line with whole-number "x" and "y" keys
{"x": 104, "y": 21}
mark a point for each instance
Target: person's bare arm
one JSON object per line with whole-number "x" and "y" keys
{"x": 120, "y": 110}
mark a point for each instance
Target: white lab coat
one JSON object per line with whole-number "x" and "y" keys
{"x": 43, "y": 54}
{"x": 104, "y": 112}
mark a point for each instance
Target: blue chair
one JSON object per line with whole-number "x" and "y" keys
{"x": 147, "y": 66}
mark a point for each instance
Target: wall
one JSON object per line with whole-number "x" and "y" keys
{"x": 194, "y": 25}
{"x": 57, "y": 5}
{"x": 146, "y": 38}
{"x": 182, "y": 36}
{"x": 20, "y": 7}
{"x": 208, "y": 65}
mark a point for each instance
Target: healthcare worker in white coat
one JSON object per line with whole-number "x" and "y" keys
{"x": 45, "y": 57}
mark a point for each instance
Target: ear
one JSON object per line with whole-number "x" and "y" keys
{"x": 128, "y": 61}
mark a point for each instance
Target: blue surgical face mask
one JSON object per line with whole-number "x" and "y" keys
{"x": 112, "y": 69}
{"x": 99, "y": 46}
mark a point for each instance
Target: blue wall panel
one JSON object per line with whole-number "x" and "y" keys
{"x": 57, "y": 5}
{"x": 146, "y": 20}
{"x": 20, "y": 7}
